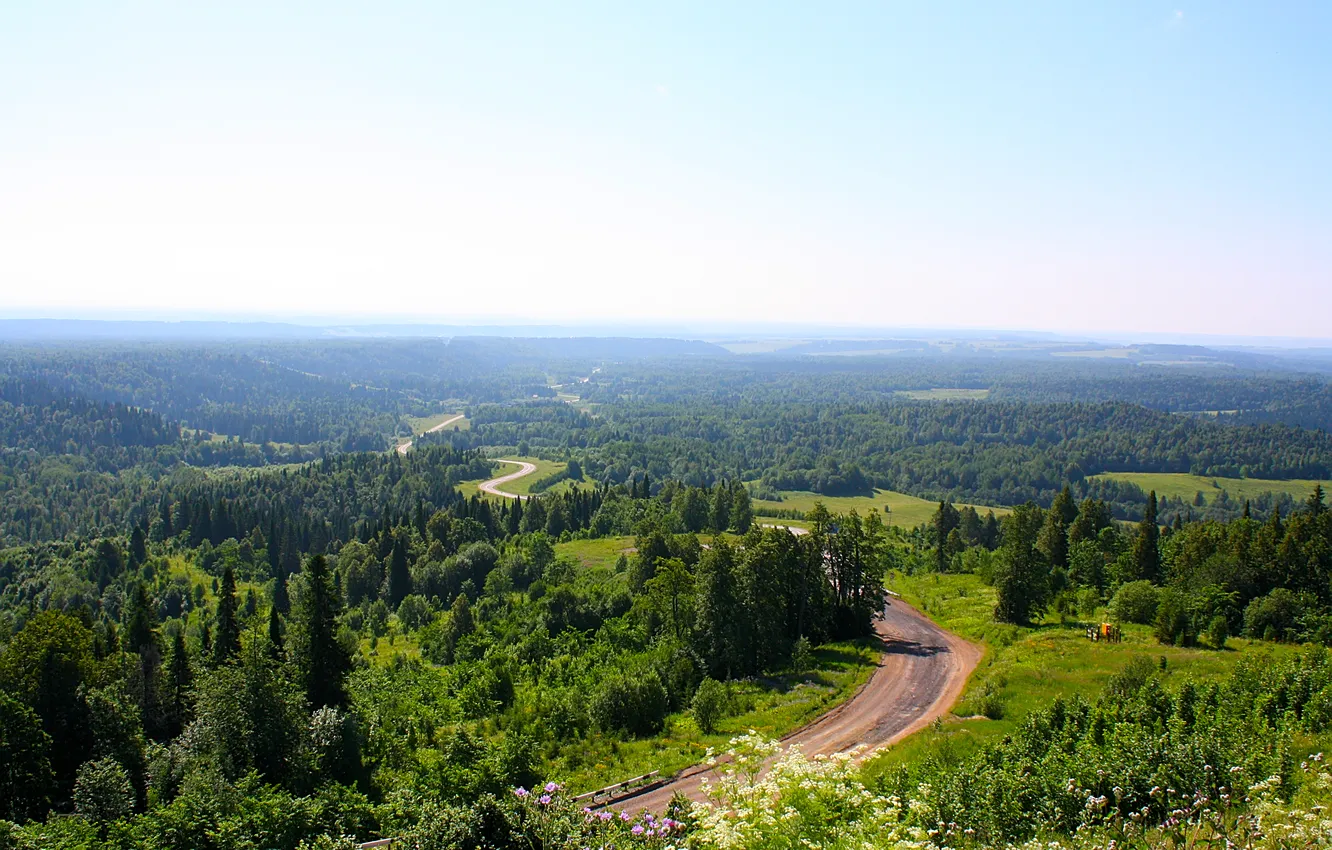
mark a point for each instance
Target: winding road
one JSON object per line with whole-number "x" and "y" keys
{"x": 493, "y": 485}
{"x": 920, "y": 676}
{"x": 402, "y": 450}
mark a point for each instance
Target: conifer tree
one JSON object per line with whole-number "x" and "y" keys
{"x": 399, "y": 581}
{"x": 1146, "y": 547}
{"x": 226, "y": 630}
{"x": 320, "y": 657}
{"x": 277, "y": 647}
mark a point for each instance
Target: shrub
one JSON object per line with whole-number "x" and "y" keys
{"x": 631, "y": 702}
{"x": 102, "y": 791}
{"x": 709, "y": 705}
{"x": 1276, "y": 615}
{"x": 1136, "y": 602}
{"x": 1218, "y": 631}
{"x": 1174, "y": 626}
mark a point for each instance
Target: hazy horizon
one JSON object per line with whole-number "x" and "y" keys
{"x": 1116, "y": 170}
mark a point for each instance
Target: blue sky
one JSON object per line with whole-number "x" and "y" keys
{"x": 1115, "y": 166}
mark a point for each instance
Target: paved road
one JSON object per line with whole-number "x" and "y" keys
{"x": 920, "y": 676}
{"x": 402, "y": 450}
{"x": 493, "y": 485}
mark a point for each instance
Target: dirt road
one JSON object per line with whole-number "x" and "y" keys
{"x": 794, "y": 529}
{"x": 493, "y": 485}
{"x": 920, "y": 676}
{"x": 402, "y": 450}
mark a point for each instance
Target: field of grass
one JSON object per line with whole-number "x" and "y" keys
{"x": 902, "y": 509}
{"x": 1185, "y": 486}
{"x": 421, "y": 424}
{"x": 946, "y": 394}
{"x": 1029, "y": 667}
{"x": 522, "y": 486}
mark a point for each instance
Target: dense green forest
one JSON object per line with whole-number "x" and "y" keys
{"x": 231, "y": 616}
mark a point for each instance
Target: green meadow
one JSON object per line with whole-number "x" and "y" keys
{"x": 1027, "y": 667}
{"x": 1185, "y": 486}
{"x": 898, "y": 508}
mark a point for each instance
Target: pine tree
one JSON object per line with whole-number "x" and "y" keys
{"x": 277, "y": 643}
{"x": 138, "y": 548}
{"x": 946, "y": 518}
{"x": 320, "y": 657}
{"x": 1146, "y": 546}
{"x": 1053, "y": 541}
{"x": 399, "y": 581}
{"x": 720, "y": 513}
{"x": 226, "y": 630}
{"x": 179, "y": 680}
{"x": 742, "y": 510}
{"x": 1021, "y": 577}
{"x": 715, "y": 609}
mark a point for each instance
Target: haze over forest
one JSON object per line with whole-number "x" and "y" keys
{"x": 695, "y": 426}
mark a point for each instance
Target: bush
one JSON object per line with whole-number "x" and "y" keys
{"x": 414, "y": 612}
{"x": 631, "y": 702}
{"x": 102, "y": 791}
{"x": 1275, "y": 616}
{"x": 709, "y": 705}
{"x": 1218, "y": 631}
{"x": 1136, "y": 602}
{"x": 1173, "y": 624}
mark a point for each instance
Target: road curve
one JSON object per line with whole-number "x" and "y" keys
{"x": 794, "y": 529}
{"x": 920, "y": 676}
{"x": 493, "y": 485}
{"x": 402, "y": 450}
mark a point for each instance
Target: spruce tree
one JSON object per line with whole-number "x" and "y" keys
{"x": 1053, "y": 541}
{"x": 320, "y": 657}
{"x": 1146, "y": 547}
{"x": 226, "y": 630}
{"x": 715, "y": 609}
{"x": 277, "y": 644}
{"x": 1022, "y": 575}
{"x": 138, "y": 548}
{"x": 179, "y": 680}
{"x": 399, "y": 581}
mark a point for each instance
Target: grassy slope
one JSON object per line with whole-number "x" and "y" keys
{"x": 1031, "y": 666}
{"x": 945, "y": 394}
{"x": 421, "y": 424}
{"x": 904, "y": 510}
{"x": 1184, "y": 486}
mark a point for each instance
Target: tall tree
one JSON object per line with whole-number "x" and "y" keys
{"x": 179, "y": 682}
{"x": 399, "y": 582}
{"x": 945, "y": 519}
{"x": 277, "y": 639}
{"x": 1146, "y": 546}
{"x": 138, "y": 548}
{"x": 715, "y": 610}
{"x": 226, "y": 629}
{"x": 1053, "y": 540}
{"x": 319, "y": 656}
{"x": 742, "y": 510}
{"x": 1022, "y": 574}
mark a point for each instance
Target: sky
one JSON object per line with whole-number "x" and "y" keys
{"x": 1085, "y": 166}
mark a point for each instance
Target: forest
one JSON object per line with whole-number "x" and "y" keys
{"x": 233, "y": 616}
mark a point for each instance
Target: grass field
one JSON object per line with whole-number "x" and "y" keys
{"x": 421, "y": 424}
{"x": 522, "y": 486}
{"x": 1029, "y": 667}
{"x": 1185, "y": 486}
{"x": 946, "y": 394}
{"x": 903, "y": 510}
